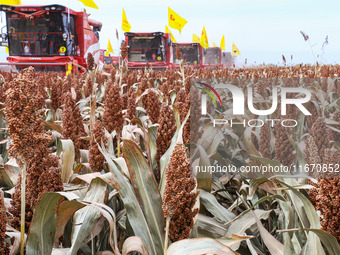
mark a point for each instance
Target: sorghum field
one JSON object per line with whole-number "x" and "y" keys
{"x": 99, "y": 163}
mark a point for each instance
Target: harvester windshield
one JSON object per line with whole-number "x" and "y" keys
{"x": 211, "y": 56}
{"x": 190, "y": 54}
{"x": 46, "y": 34}
{"x": 146, "y": 49}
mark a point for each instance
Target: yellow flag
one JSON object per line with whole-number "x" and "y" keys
{"x": 214, "y": 45}
{"x": 167, "y": 31}
{"x": 222, "y": 46}
{"x": 195, "y": 38}
{"x": 235, "y": 50}
{"x": 109, "y": 46}
{"x": 172, "y": 37}
{"x": 88, "y": 3}
{"x": 125, "y": 23}
{"x": 7, "y": 50}
{"x": 176, "y": 21}
{"x": 107, "y": 54}
{"x": 204, "y": 39}
{"x": 10, "y": 2}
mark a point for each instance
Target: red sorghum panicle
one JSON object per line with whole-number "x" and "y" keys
{"x": 312, "y": 151}
{"x": 96, "y": 158}
{"x": 123, "y": 50}
{"x": 264, "y": 143}
{"x": 56, "y": 94}
{"x": 179, "y": 195}
{"x": 88, "y": 86}
{"x": 100, "y": 78}
{"x": 191, "y": 131}
{"x": 180, "y": 104}
{"x": 23, "y": 114}
{"x": 113, "y": 116}
{"x": 311, "y": 118}
{"x": 326, "y": 194}
{"x": 113, "y": 75}
{"x": 77, "y": 84}
{"x": 43, "y": 176}
{"x": 143, "y": 85}
{"x": 326, "y": 199}
{"x": 336, "y": 117}
{"x": 42, "y": 85}
{"x": 181, "y": 95}
{"x": 165, "y": 131}
{"x": 284, "y": 150}
{"x": 131, "y": 105}
{"x": 152, "y": 105}
{"x": 4, "y": 246}
{"x": 321, "y": 136}
{"x": 29, "y": 144}
{"x": 67, "y": 85}
{"x": 124, "y": 98}
{"x": 90, "y": 62}
{"x": 73, "y": 127}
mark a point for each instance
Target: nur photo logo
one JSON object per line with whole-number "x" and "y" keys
{"x": 247, "y": 100}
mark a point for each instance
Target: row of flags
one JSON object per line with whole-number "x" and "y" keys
{"x": 177, "y": 22}
{"x": 203, "y": 41}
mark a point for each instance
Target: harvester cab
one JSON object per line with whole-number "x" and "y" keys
{"x": 212, "y": 57}
{"x": 148, "y": 49}
{"x": 49, "y": 37}
{"x": 191, "y": 54}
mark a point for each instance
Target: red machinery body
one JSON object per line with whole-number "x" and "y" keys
{"x": 227, "y": 60}
{"x": 108, "y": 62}
{"x": 212, "y": 57}
{"x": 191, "y": 54}
{"x": 50, "y": 37}
{"x": 149, "y": 49}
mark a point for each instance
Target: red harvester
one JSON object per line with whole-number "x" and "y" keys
{"x": 148, "y": 49}
{"x": 49, "y": 37}
{"x": 191, "y": 54}
{"x": 212, "y": 57}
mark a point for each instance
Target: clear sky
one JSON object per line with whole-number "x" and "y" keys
{"x": 262, "y": 30}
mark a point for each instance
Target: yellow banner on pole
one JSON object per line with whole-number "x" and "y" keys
{"x": 167, "y": 31}
{"x": 89, "y": 3}
{"x": 10, "y": 2}
{"x": 204, "y": 39}
{"x": 109, "y": 46}
{"x": 195, "y": 38}
{"x": 176, "y": 21}
{"x": 126, "y": 27}
{"x": 222, "y": 46}
{"x": 235, "y": 50}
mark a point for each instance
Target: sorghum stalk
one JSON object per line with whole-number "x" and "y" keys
{"x": 167, "y": 225}
{"x": 23, "y": 203}
{"x": 4, "y": 246}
